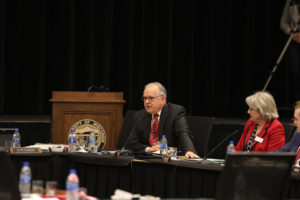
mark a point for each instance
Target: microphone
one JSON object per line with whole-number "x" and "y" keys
{"x": 129, "y": 137}
{"x": 91, "y": 87}
{"x": 101, "y": 88}
{"x": 213, "y": 150}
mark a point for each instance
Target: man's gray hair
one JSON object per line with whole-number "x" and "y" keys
{"x": 161, "y": 89}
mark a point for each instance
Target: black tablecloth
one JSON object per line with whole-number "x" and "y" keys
{"x": 102, "y": 174}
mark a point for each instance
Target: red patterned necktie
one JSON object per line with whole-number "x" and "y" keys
{"x": 154, "y": 131}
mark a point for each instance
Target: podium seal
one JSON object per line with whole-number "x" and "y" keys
{"x": 83, "y": 129}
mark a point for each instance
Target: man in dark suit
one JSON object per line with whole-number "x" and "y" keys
{"x": 161, "y": 118}
{"x": 294, "y": 143}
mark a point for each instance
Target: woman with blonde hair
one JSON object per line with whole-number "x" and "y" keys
{"x": 262, "y": 132}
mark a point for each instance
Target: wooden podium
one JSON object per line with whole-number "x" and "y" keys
{"x": 69, "y": 108}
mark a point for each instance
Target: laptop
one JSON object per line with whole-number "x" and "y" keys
{"x": 255, "y": 176}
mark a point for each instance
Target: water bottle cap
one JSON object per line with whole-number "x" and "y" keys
{"x": 92, "y": 131}
{"x": 163, "y": 136}
{"x": 72, "y": 171}
{"x": 231, "y": 142}
{"x": 72, "y": 130}
{"x": 26, "y": 163}
{"x": 16, "y": 130}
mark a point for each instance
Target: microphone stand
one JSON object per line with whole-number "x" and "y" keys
{"x": 204, "y": 160}
{"x": 123, "y": 150}
{"x": 220, "y": 143}
{"x": 278, "y": 60}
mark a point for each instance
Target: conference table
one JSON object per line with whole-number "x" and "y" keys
{"x": 102, "y": 174}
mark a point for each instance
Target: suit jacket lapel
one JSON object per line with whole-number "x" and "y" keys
{"x": 263, "y": 131}
{"x": 148, "y": 124}
{"x": 163, "y": 120}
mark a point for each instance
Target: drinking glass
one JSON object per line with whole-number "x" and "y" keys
{"x": 82, "y": 193}
{"x": 37, "y": 186}
{"x": 82, "y": 143}
{"x": 95, "y": 148}
{"x": 172, "y": 151}
{"x": 51, "y": 188}
{"x": 7, "y": 145}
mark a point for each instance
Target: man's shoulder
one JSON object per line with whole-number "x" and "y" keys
{"x": 175, "y": 106}
{"x": 175, "y": 110}
{"x": 296, "y": 134}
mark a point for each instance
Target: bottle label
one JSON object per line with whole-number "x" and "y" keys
{"x": 72, "y": 140}
{"x": 230, "y": 150}
{"x": 163, "y": 146}
{"x": 16, "y": 140}
{"x": 92, "y": 140}
{"x": 25, "y": 179}
{"x": 72, "y": 186}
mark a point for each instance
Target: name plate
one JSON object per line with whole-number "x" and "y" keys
{"x": 25, "y": 150}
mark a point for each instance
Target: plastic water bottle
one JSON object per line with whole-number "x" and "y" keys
{"x": 72, "y": 185}
{"x": 25, "y": 179}
{"x": 230, "y": 147}
{"x": 72, "y": 141}
{"x": 92, "y": 141}
{"x": 164, "y": 147}
{"x": 16, "y": 140}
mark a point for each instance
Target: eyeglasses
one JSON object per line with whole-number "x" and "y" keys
{"x": 149, "y": 98}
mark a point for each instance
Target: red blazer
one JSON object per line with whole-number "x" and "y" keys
{"x": 272, "y": 134}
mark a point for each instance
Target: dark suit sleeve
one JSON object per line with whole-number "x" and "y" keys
{"x": 181, "y": 129}
{"x": 288, "y": 146}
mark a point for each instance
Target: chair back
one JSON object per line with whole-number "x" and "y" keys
{"x": 200, "y": 127}
{"x": 126, "y": 128}
{"x": 289, "y": 129}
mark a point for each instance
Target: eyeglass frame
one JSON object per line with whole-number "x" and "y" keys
{"x": 150, "y": 98}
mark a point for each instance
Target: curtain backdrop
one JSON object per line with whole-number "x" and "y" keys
{"x": 210, "y": 55}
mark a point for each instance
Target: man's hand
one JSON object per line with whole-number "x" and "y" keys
{"x": 154, "y": 148}
{"x": 190, "y": 154}
{"x": 296, "y": 37}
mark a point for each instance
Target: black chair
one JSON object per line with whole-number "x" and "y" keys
{"x": 250, "y": 176}
{"x": 126, "y": 128}
{"x": 8, "y": 179}
{"x": 289, "y": 130}
{"x": 200, "y": 127}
